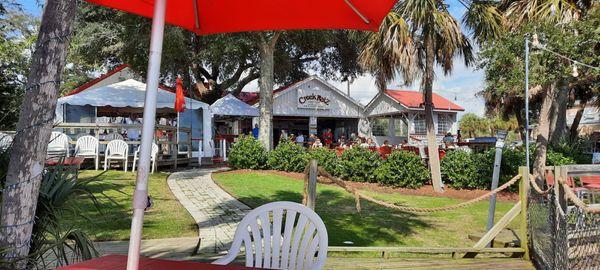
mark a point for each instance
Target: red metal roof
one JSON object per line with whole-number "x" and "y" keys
{"x": 414, "y": 99}
{"x": 252, "y": 97}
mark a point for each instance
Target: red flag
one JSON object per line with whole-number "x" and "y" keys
{"x": 179, "y": 97}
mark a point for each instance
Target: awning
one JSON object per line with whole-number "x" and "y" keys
{"x": 229, "y": 105}
{"x": 128, "y": 93}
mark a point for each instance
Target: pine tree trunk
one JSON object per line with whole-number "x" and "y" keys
{"x": 558, "y": 126}
{"x": 266, "y": 81}
{"x": 28, "y": 152}
{"x": 541, "y": 143}
{"x": 434, "y": 158}
{"x": 573, "y": 131}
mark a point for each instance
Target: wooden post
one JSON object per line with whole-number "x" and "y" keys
{"x": 311, "y": 189}
{"x": 523, "y": 192}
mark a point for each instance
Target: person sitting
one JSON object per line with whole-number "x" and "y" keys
{"x": 300, "y": 139}
{"x": 448, "y": 140}
{"x": 363, "y": 142}
{"x": 328, "y": 137}
{"x": 341, "y": 141}
{"x": 317, "y": 143}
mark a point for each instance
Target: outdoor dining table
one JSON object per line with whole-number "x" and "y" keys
{"x": 119, "y": 262}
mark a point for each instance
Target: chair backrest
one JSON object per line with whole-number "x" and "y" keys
{"x": 113, "y": 136}
{"x": 154, "y": 152}
{"x": 281, "y": 235}
{"x": 86, "y": 144}
{"x": 58, "y": 140}
{"x": 5, "y": 141}
{"x": 117, "y": 148}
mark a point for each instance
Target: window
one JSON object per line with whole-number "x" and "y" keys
{"x": 444, "y": 124}
{"x": 420, "y": 127}
{"x": 400, "y": 127}
{"x": 80, "y": 114}
{"x": 379, "y": 127}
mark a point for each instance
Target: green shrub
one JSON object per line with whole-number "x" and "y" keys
{"x": 358, "y": 164}
{"x": 575, "y": 149}
{"x": 326, "y": 158}
{"x": 554, "y": 158}
{"x": 247, "y": 153}
{"x": 460, "y": 170}
{"x": 402, "y": 169}
{"x": 287, "y": 156}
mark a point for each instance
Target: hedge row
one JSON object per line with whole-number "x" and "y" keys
{"x": 466, "y": 170}
{"x": 460, "y": 169}
{"x": 400, "y": 169}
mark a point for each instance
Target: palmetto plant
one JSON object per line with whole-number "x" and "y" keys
{"x": 54, "y": 243}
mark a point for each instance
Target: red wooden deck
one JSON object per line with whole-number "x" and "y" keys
{"x": 119, "y": 262}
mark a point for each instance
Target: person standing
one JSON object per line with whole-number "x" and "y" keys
{"x": 255, "y": 131}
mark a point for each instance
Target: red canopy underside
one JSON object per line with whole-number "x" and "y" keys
{"x": 227, "y": 16}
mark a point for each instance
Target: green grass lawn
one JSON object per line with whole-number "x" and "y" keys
{"x": 167, "y": 218}
{"x": 376, "y": 225}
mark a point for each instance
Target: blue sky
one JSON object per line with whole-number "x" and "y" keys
{"x": 460, "y": 87}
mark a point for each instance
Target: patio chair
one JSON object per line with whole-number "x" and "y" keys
{"x": 298, "y": 241}
{"x": 87, "y": 147}
{"x": 153, "y": 156}
{"x": 5, "y": 141}
{"x": 116, "y": 149}
{"x": 58, "y": 145}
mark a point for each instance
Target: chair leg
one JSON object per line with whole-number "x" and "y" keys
{"x": 134, "y": 160}
{"x": 105, "y": 163}
{"x": 125, "y": 164}
{"x": 96, "y": 160}
{"x": 153, "y": 165}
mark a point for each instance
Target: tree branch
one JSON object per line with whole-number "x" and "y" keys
{"x": 243, "y": 82}
{"x": 235, "y": 77}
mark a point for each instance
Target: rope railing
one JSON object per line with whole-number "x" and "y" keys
{"x": 358, "y": 195}
{"x": 537, "y": 188}
{"x": 569, "y": 193}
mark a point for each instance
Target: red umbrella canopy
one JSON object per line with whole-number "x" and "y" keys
{"x": 206, "y": 17}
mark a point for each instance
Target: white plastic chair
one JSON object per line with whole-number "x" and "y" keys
{"x": 87, "y": 147}
{"x": 58, "y": 144}
{"x": 153, "y": 156}
{"x": 116, "y": 149}
{"x": 298, "y": 241}
{"x": 5, "y": 141}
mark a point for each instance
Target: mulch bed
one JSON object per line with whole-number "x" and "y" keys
{"x": 427, "y": 190}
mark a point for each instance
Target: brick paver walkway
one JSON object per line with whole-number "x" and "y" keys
{"x": 215, "y": 211}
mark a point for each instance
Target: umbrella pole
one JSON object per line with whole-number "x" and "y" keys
{"x": 140, "y": 196}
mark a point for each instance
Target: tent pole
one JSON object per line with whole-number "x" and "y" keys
{"x": 140, "y": 196}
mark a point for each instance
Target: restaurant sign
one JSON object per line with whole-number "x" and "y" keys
{"x": 313, "y": 99}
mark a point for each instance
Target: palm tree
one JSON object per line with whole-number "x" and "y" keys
{"x": 417, "y": 35}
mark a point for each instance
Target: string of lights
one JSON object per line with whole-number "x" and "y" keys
{"x": 536, "y": 44}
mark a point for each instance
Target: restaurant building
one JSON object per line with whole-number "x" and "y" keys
{"x": 398, "y": 115}
{"x": 312, "y": 105}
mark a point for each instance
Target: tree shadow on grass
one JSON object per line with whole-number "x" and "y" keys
{"x": 374, "y": 226}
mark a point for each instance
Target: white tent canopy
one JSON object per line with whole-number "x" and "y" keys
{"x": 128, "y": 93}
{"x": 229, "y": 105}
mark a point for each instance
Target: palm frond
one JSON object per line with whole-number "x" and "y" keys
{"x": 485, "y": 21}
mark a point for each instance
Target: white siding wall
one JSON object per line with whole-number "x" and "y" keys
{"x": 286, "y": 102}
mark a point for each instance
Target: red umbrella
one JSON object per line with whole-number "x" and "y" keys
{"x": 206, "y": 17}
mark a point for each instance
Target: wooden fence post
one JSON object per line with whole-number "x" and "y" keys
{"x": 523, "y": 192}
{"x": 312, "y": 185}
